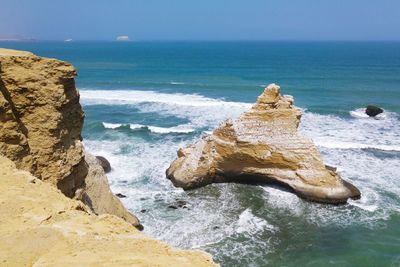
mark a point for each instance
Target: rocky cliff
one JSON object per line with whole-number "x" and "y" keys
{"x": 261, "y": 146}
{"x": 41, "y": 121}
{"x": 39, "y": 226}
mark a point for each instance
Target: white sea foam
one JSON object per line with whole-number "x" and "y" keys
{"x": 249, "y": 223}
{"x": 176, "y": 83}
{"x": 176, "y": 129}
{"x": 353, "y": 133}
{"x": 350, "y": 145}
{"x": 360, "y": 114}
{"x": 201, "y": 111}
{"x": 153, "y": 129}
{"x": 369, "y": 201}
{"x": 116, "y": 97}
{"x": 111, "y": 125}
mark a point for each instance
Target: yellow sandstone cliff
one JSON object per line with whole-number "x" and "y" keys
{"x": 41, "y": 121}
{"x": 45, "y": 172}
{"x": 39, "y": 226}
{"x": 262, "y": 145}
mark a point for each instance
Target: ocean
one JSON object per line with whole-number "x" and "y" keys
{"x": 144, "y": 100}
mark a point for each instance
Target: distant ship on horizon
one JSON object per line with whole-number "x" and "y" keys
{"x": 123, "y": 38}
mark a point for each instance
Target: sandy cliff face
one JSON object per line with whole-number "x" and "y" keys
{"x": 41, "y": 118}
{"x": 262, "y": 145}
{"x": 39, "y": 226}
{"x": 41, "y": 121}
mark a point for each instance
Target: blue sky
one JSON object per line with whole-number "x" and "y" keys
{"x": 202, "y": 19}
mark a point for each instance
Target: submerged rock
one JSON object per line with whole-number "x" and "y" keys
{"x": 105, "y": 164}
{"x": 262, "y": 146}
{"x": 372, "y": 111}
{"x": 120, "y": 195}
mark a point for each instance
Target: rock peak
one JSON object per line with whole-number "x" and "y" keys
{"x": 270, "y": 95}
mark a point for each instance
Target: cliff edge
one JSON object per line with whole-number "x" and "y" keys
{"x": 39, "y": 226}
{"x": 41, "y": 121}
{"x": 261, "y": 146}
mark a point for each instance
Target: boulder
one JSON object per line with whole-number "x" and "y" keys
{"x": 263, "y": 145}
{"x": 99, "y": 197}
{"x": 104, "y": 163}
{"x": 372, "y": 111}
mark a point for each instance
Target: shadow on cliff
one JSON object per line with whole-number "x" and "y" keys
{"x": 7, "y": 96}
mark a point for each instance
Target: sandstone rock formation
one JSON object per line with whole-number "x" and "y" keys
{"x": 39, "y": 226}
{"x": 262, "y": 145}
{"x": 41, "y": 118}
{"x": 98, "y": 196}
{"x": 40, "y": 129}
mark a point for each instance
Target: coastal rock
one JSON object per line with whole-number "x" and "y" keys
{"x": 263, "y": 145}
{"x": 39, "y": 226}
{"x": 41, "y": 119}
{"x": 372, "y": 111}
{"x": 104, "y": 163}
{"x": 99, "y": 197}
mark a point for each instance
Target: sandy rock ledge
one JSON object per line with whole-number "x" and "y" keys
{"x": 39, "y": 226}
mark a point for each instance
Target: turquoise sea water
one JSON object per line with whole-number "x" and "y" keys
{"x": 145, "y": 100}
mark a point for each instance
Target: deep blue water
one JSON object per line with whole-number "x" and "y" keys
{"x": 145, "y": 100}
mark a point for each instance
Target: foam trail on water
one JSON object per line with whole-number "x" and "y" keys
{"x": 176, "y": 83}
{"x": 353, "y": 133}
{"x": 349, "y": 145}
{"x": 153, "y": 129}
{"x": 201, "y": 111}
{"x": 112, "y": 125}
{"x": 360, "y": 114}
{"x": 248, "y": 223}
{"x": 118, "y": 97}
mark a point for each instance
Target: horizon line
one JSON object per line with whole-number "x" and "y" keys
{"x": 195, "y": 40}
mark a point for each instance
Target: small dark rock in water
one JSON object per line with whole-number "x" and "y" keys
{"x": 139, "y": 227}
{"x": 331, "y": 168}
{"x": 372, "y": 111}
{"x": 143, "y": 211}
{"x": 215, "y": 228}
{"x": 104, "y": 163}
{"x": 172, "y": 207}
{"x": 120, "y": 195}
{"x": 181, "y": 203}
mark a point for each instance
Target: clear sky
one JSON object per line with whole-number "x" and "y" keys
{"x": 202, "y": 19}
